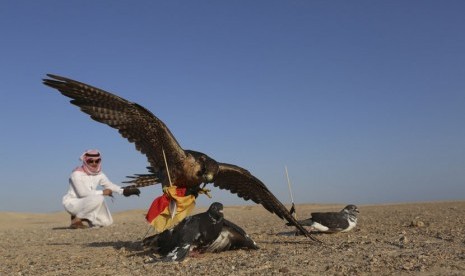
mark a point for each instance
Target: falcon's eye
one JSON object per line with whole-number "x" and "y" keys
{"x": 202, "y": 171}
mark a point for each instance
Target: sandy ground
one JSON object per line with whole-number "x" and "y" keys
{"x": 401, "y": 239}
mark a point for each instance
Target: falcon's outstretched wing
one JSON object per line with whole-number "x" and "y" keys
{"x": 133, "y": 121}
{"x": 241, "y": 182}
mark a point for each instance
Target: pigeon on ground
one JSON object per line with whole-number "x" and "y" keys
{"x": 204, "y": 232}
{"x": 231, "y": 237}
{"x": 332, "y": 222}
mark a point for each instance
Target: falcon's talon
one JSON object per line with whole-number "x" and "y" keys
{"x": 205, "y": 191}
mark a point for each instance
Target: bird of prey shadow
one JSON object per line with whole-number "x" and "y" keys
{"x": 204, "y": 232}
{"x": 187, "y": 168}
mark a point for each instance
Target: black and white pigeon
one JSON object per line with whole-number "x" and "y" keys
{"x": 231, "y": 237}
{"x": 333, "y": 222}
{"x": 204, "y": 232}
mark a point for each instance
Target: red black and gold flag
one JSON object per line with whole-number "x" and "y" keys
{"x": 159, "y": 215}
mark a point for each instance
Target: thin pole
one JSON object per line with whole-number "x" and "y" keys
{"x": 290, "y": 192}
{"x": 146, "y": 233}
{"x": 172, "y": 206}
{"x": 166, "y": 166}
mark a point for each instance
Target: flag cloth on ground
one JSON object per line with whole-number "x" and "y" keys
{"x": 159, "y": 214}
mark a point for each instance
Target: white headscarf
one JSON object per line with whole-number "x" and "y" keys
{"x": 88, "y": 155}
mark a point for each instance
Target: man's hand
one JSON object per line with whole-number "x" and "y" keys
{"x": 107, "y": 192}
{"x": 129, "y": 191}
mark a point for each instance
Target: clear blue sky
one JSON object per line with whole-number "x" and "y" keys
{"x": 364, "y": 101}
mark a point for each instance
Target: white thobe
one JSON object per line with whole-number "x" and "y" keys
{"x": 85, "y": 201}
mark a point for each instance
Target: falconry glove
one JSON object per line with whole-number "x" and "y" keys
{"x": 129, "y": 191}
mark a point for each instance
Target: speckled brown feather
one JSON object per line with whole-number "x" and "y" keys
{"x": 133, "y": 121}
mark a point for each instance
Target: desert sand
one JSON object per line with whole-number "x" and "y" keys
{"x": 396, "y": 239}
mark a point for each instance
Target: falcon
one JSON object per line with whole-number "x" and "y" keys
{"x": 184, "y": 168}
